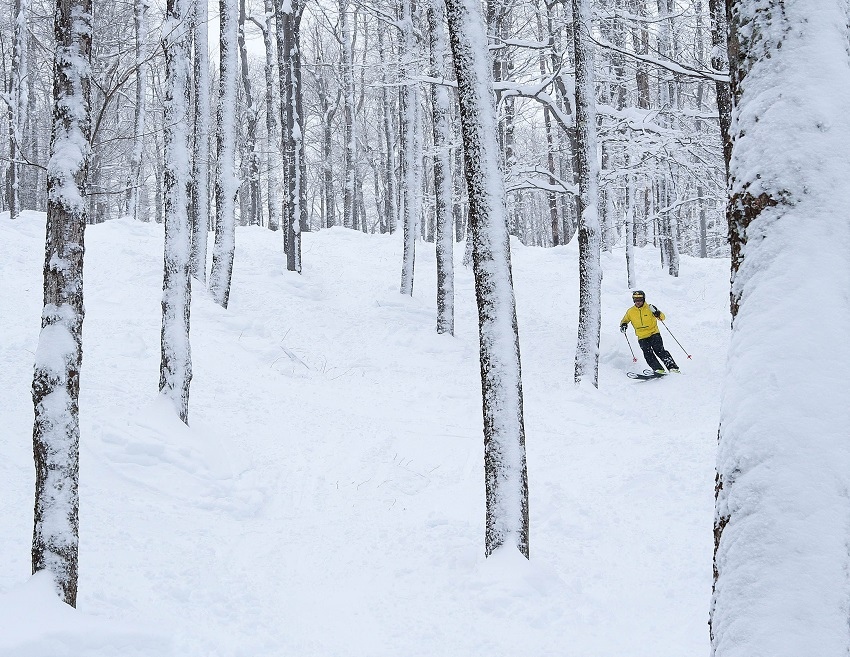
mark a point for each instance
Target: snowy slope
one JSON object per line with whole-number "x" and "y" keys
{"x": 328, "y": 498}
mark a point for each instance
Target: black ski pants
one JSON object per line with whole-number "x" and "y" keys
{"x": 652, "y": 346}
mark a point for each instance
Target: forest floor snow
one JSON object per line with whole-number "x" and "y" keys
{"x": 327, "y": 498}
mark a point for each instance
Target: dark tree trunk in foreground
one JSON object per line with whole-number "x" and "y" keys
{"x": 56, "y": 381}
{"x": 501, "y": 381}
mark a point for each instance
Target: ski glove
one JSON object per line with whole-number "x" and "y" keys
{"x": 655, "y": 311}
{"x": 623, "y": 328}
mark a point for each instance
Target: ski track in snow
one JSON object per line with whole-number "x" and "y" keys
{"x": 328, "y": 498}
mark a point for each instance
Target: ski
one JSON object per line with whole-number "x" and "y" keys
{"x": 646, "y": 375}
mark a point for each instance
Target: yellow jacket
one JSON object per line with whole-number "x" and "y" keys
{"x": 643, "y": 320}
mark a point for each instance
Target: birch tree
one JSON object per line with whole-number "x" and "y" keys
{"x": 58, "y": 358}
{"x": 501, "y": 380}
{"x": 589, "y": 239}
{"x": 227, "y": 179}
{"x": 781, "y": 533}
{"x": 175, "y": 372}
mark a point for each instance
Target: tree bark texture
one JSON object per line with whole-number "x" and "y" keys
{"x": 273, "y": 202}
{"x": 442, "y": 171}
{"x": 227, "y": 180}
{"x": 349, "y": 120}
{"x": 412, "y": 148}
{"x": 506, "y": 476}
{"x": 251, "y": 165}
{"x": 201, "y": 154}
{"x": 134, "y": 180}
{"x": 175, "y": 370}
{"x": 294, "y": 210}
{"x": 590, "y": 268}
{"x": 19, "y": 82}
{"x": 56, "y": 380}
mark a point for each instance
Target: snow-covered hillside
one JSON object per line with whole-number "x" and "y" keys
{"x": 328, "y": 497}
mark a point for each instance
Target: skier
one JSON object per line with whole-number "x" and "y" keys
{"x": 645, "y": 320}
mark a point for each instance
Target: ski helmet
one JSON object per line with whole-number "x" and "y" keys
{"x": 638, "y": 295}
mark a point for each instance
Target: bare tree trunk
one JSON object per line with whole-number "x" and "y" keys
{"x": 18, "y": 100}
{"x": 590, "y": 269}
{"x": 227, "y": 180}
{"x": 501, "y": 380}
{"x": 134, "y": 180}
{"x": 720, "y": 62}
{"x": 551, "y": 198}
{"x": 350, "y": 147}
{"x": 252, "y": 164}
{"x": 412, "y": 148}
{"x": 631, "y": 280}
{"x": 390, "y": 207}
{"x": 442, "y": 172}
{"x": 56, "y": 380}
{"x": 294, "y": 215}
{"x": 158, "y": 178}
{"x": 328, "y": 111}
{"x": 271, "y": 122}
{"x": 175, "y": 371}
{"x": 201, "y": 155}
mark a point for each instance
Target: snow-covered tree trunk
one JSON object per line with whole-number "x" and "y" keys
{"x": 201, "y": 143}
{"x": 18, "y": 98}
{"x": 349, "y": 120}
{"x": 412, "y": 146}
{"x": 134, "y": 179}
{"x": 273, "y": 202}
{"x": 227, "y": 180}
{"x": 175, "y": 370}
{"x": 589, "y": 239}
{"x": 444, "y": 239}
{"x": 56, "y": 379}
{"x": 501, "y": 381}
{"x": 783, "y": 467}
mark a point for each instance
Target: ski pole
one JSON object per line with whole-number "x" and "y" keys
{"x": 674, "y": 337}
{"x": 634, "y": 360}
